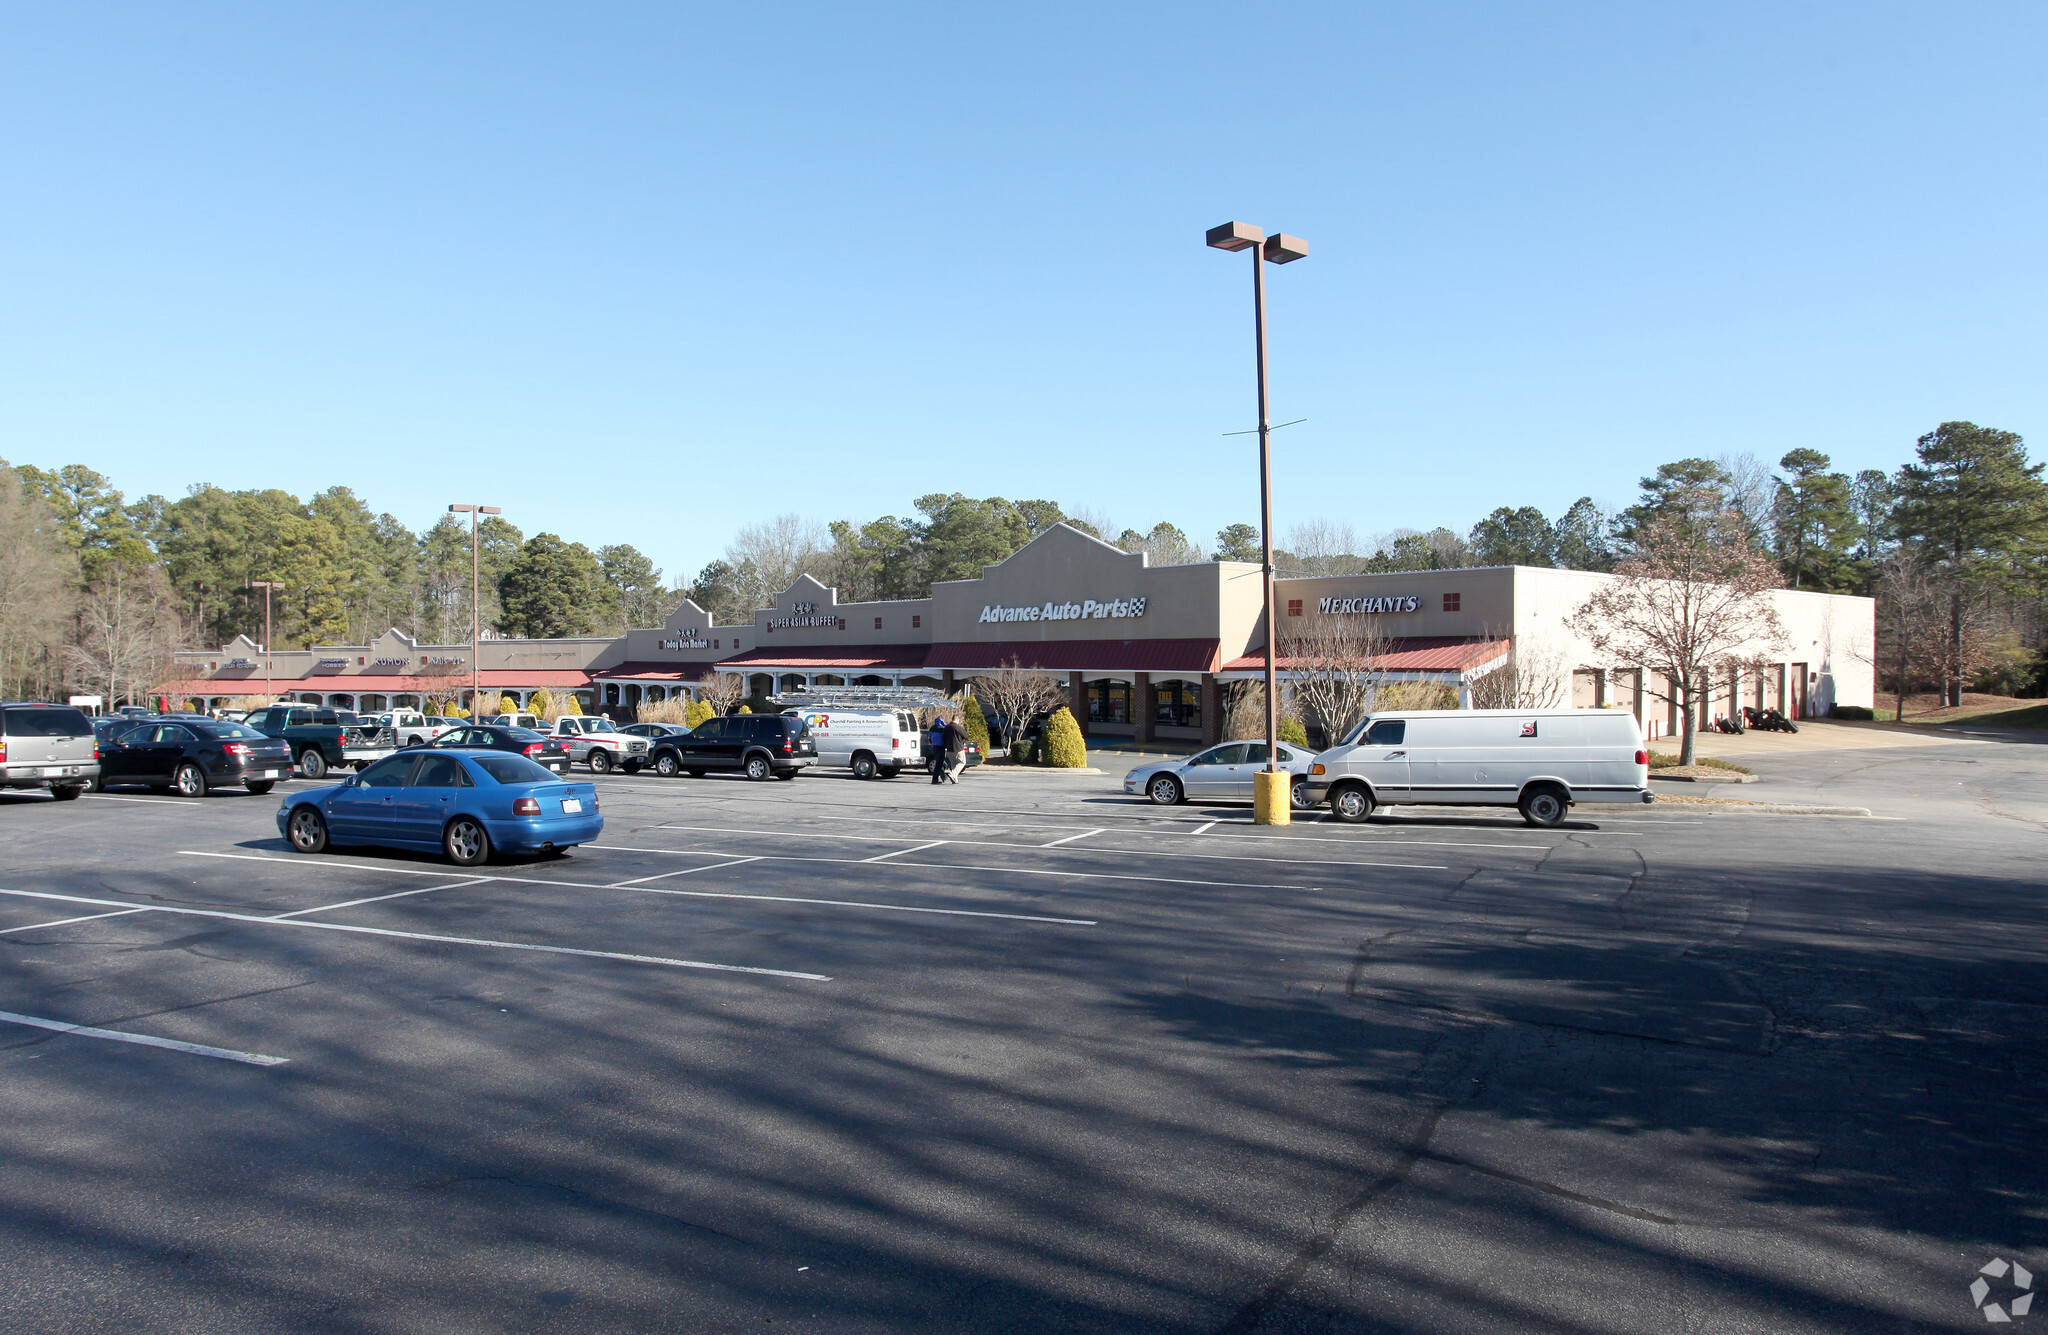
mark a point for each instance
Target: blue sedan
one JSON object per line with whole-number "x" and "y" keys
{"x": 467, "y": 804}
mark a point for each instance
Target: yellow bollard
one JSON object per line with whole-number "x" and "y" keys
{"x": 1272, "y": 798}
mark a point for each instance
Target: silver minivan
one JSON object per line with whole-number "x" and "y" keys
{"x": 1540, "y": 760}
{"x": 48, "y": 746}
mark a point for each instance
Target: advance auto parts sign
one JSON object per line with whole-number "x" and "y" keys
{"x": 1085, "y": 610}
{"x": 1399, "y": 602}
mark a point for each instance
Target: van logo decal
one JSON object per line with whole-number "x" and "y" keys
{"x": 1529, "y": 728}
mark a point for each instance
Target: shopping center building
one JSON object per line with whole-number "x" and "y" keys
{"x": 1146, "y": 653}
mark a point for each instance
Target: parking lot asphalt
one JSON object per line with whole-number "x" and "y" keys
{"x": 1021, "y": 1054}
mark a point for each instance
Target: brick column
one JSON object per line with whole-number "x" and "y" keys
{"x": 947, "y": 683}
{"x": 1145, "y": 699}
{"x": 1212, "y": 710}
{"x": 1077, "y": 700}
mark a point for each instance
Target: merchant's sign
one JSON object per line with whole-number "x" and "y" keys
{"x": 1086, "y": 610}
{"x": 1397, "y": 602}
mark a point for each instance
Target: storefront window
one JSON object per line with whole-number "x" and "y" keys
{"x": 1109, "y": 701}
{"x": 1180, "y": 704}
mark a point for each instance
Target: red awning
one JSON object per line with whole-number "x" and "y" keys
{"x": 1078, "y": 655}
{"x": 654, "y": 672}
{"x": 1420, "y": 653}
{"x": 834, "y": 657}
{"x": 364, "y": 683}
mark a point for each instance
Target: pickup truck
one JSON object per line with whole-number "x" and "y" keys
{"x": 411, "y": 727}
{"x": 598, "y": 742}
{"x": 322, "y": 738}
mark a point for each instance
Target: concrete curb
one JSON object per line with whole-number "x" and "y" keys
{"x": 1701, "y": 778}
{"x": 1032, "y": 769}
{"x": 1775, "y": 809}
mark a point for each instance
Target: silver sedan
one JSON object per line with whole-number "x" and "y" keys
{"x": 1219, "y": 774}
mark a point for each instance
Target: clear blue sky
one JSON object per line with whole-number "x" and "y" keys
{"x": 594, "y": 263}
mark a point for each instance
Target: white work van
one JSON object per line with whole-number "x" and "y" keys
{"x": 867, "y": 741}
{"x": 1540, "y": 760}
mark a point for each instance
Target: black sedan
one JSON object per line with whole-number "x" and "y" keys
{"x": 192, "y": 755}
{"x": 537, "y": 747}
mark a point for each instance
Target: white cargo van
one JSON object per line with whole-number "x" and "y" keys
{"x": 1541, "y": 760}
{"x": 867, "y": 741}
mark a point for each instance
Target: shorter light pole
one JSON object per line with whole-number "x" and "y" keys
{"x": 476, "y": 624}
{"x": 266, "y": 585}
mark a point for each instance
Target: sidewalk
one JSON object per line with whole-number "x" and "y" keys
{"x": 1813, "y": 735}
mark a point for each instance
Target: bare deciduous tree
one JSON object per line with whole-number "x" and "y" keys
{"x": 1324, "y": 547}
{"x": 773, "y": 553}
{"x": 1534, "y": 677}
{"x": 1013, "y": 693}
{"x": 1692, "y": 609}
{"x": 1336, "y": 663}
{"x": 129, "y": 635}
{"x": 722, "y": 690}
{"x": 38, "y": 590}
{"x": 1919, "y": 614}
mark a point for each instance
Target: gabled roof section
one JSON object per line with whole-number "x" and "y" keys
{"x": 1065, "y": 535}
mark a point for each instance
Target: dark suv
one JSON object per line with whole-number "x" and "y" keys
{"x": 758, "y": 745}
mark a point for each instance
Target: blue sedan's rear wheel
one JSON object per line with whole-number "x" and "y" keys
{"x": 307, "y": 830}
{"x": 465, "y": 842}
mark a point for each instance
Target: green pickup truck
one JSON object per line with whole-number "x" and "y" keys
{"x": 322, "y": 739}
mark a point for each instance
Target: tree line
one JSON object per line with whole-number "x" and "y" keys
{"x": 97, "y": 591}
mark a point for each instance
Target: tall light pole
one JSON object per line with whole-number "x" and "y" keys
{"x": 266, "y": 585}
{"x": 1272, "y": 798}
{"x": 476, "y": 624}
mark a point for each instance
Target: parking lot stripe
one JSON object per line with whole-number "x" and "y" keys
{"x": 1040, "y": 871}
{"x": 851, "y": 904}
{"x": 377, "y": 899}
{"x": 65, "y": 922}
{"x": 1070, "y": 838}
{"x": 428, "y": 936}
{"x": 1093, "y": 851}
{"x": 897, "y": 854}
{"x": 162, "y": 801}
{"x": 686, "y": 871}
{"x": 1200, "y": 828}
{"x": 145, "y": 1040}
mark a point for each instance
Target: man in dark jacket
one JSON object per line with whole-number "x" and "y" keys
{"x": 935, "y": 749}
{"x": 956, "y": 750}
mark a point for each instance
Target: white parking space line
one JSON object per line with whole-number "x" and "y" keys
{"x": 386, "y": 867}
{"x": 1070, "y": 838}
{"x": 377, "y": 899}
{"x": 901, "y": 851}
{"x": 686, "y": 871}
{"x": 1040, "y": 871}
{"x": 1200, "y": 828}
{"x": 1095, "y": 850}
{"x": 856, "y": 904}
{"x": 428, "y": 936}
{"x": 145, "y": 1040}
{"x": 161, "y": 801}
{"x": 65, "y": 922}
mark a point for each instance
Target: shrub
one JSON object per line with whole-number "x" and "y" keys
{"x": 976, "y": 723}
{"x": 540, "y": 703}
{"x": 759, "y": 704}
{"x": 664, "y": 711}
{"x": 1020, "y": 751}
{"x": 746, "y": 709}
{"x": 1292, "y": 731}
{"x": 1064, "y": 748}
{"x": 507, "y": 705}
{"x": 697, "y": 711}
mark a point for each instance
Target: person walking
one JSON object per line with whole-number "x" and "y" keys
{"x": 935, "y": 748}
{"x": 956, "y": 750}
